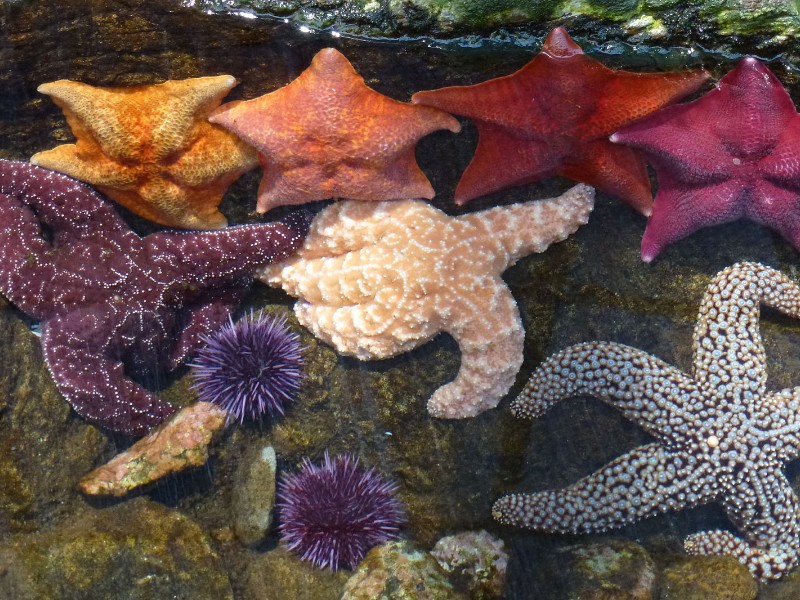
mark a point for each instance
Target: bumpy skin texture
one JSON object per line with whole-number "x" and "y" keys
{"x": 328, "y": 135}
{"x": 151, "y": 147}
{"x": 733, "y": 153}
{"x": 554, "y": 116}
{"x": 721, "y": 436}
{"x": 112, "y": 303}
{"x": 378, "y": 279}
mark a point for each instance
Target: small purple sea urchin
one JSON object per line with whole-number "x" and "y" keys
{"x": 332, "y": 514}
{"x": 250, "y": 367}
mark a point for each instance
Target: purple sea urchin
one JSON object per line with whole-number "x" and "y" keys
{"x": 250, "y": 367}
{"x": 332, "y": 514}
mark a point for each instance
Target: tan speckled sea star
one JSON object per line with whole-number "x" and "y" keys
{"x": 378, "y": 279}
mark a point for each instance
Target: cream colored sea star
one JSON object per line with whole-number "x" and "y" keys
{"x": 378, "y": 279}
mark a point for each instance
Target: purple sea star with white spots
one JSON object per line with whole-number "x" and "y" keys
{"x": 721, "y": 436}
{"x": 112, "y": 303}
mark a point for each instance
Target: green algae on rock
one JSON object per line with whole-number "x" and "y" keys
{"x": 475, "y": 563}
{"x": 138, "y": 550}
{"x": 701, "y": 577}
{"x": 287, "y": 577}
{"x": 647, "y": 20}
{"x": 618, "y": 569}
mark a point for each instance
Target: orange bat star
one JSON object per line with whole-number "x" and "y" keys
{"x": 326, "y": 135}
{"x": 151, "y": 147}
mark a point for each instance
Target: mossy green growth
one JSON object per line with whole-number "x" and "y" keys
{"x": 697, "y": 577}
{"x": 778, "y": 17}
{"x": 612, "y": 10}
{"x": 482, "y": 14}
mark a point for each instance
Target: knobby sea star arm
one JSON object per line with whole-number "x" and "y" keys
{"x": 764, "y": 507}
{"x": 94, "y": 383}
{"x": 779, "y": 419}
{"x": 489, "y": 333}
{"x": 647, "y": 390}
{"x": 645, "y": 481}
{"x": 530, "y": 227}
{"x": 727, "y": 342}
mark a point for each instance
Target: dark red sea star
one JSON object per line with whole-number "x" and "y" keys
{"x": 112, "y": 303}
{"x": 554, "y": 116}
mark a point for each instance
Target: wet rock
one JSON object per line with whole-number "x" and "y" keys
{"x": 280, "y": 575}
{"x": 607, "y": 570}
{"x": 475, "y": 562}
{"x": 138, "y": 550}
{"x": 177, "y": 444}
{"x": 702, "y": 577}
{"x": 786, "y": 588}
{"x": 645, "y": 21}
{"x": 44, "y": 449}
{"x": 254, "y": 495}
{"x": 398, "y": 571}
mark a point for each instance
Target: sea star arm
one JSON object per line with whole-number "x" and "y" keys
{"x": 366, "y": 224}
{"x": 727, "y": 342}
{"x": 685, "y": 147}
{"x": 215, "y": 256}
{"x": 24, "y": 254}
{"x": 613, "y": 169}
{"x": 489, "y": 333}
{"x": 645, "y": 481}
{"x": 529, "y": 227}
{"x": 781, "y": 421}
{"x": 646, "y": 389}
{"x": 680, "y": 210}
{"x": 764, "y": 507}
{"x": 530, "y": 159}
{"x": 206, "y": 318}
{"x": 30, "y": 197}
{"x": 70, "y": 209}
{"x": 93, "y": 382}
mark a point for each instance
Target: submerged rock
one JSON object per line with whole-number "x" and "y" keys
{"x": 254, "y": 495}
{"x": 606, "y": 570}
{"x": 177, "y": 444}
{"x": 398, "y": 571}
{"x": 701, "y": 577}
{"x": 475, "y": 562}
{"x": 645, "y": 21}
{"x": 280, "y": 575}
{"x": 43, "y": 449}
{"x": 138, "y": 550}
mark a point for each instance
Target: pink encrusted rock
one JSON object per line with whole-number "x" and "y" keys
{"x": 475, "y": 562}
{"x": 179, "y": 443}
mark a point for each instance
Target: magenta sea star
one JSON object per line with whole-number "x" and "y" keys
{"x": 734, "y": 153}
{"x": 112, "y": 303}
